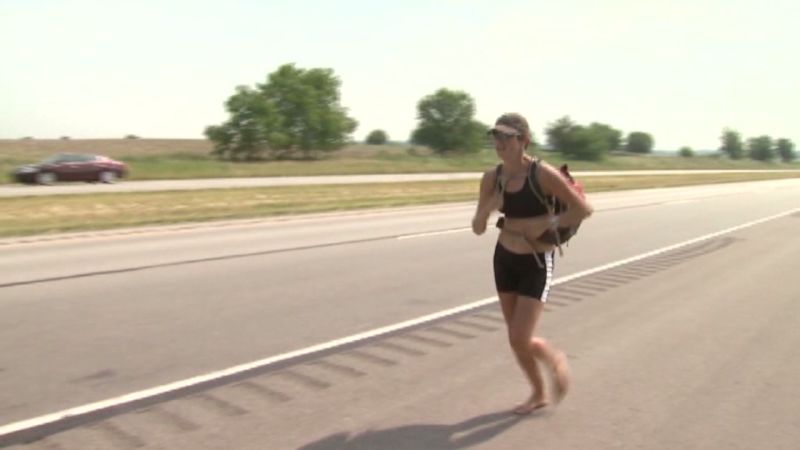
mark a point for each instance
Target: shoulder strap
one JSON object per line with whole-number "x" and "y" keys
{"x": 550, "y": 205}
{"x": 498, "y": 174}
{"x": 536, "y": 188}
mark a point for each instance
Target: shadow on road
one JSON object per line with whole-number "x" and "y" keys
{"x": 460, "y": 435}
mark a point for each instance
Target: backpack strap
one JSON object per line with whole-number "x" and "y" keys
{"x": 533, "y": 182}
{"x": 550, "y": 205}
{"x": 499, "y": 185}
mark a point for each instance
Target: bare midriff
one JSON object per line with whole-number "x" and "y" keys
{"x": 512, "y": 235}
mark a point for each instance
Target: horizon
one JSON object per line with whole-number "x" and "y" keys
{"x": 682, "y": 71}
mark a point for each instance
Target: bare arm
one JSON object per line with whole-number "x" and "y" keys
{"x": 553, "y": 183}
{"x": 488, "y": 201}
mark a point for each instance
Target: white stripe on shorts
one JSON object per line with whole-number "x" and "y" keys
{"x": 548, "y": 263}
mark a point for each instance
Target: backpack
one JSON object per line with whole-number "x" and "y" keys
{"x": 562, "y": 234}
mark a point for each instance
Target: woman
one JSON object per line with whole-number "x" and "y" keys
{"x": 523, "y": 265}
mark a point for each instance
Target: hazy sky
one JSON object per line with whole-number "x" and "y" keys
{"x": 681, "y": 70}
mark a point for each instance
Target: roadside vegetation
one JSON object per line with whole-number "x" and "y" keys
{"x": 294, "y": 125}
{"x": 25, "y": 216}
{"x": 159, "y": 159}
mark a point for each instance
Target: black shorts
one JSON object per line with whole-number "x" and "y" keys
{"x": 520, "y": 273}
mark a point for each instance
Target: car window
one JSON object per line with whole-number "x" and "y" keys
{"x": 56, "y": 159}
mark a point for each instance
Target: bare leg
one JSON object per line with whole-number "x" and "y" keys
{"x": 522, "y": 314}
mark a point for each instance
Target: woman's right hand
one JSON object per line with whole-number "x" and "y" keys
{"x": 489, "y": 200}
{"x": 479, "y": 225}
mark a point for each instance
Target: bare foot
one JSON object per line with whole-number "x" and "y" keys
{"x": 532, "y": 404}
{"x": 562, "y": 377}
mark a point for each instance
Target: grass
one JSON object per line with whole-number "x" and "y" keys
{"x": 25, "y": 216}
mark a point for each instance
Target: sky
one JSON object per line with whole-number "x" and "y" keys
{"x": 681, "y": 70}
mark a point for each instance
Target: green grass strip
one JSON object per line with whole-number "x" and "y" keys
{"x": 25, "y": 216}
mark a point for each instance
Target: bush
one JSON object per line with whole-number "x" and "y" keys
{"x": 377, "y": 137}
{"x": 575, "y": 141}
{"x": 686, "y": 152}
{"x": 639, "y": 142}
{"x": 760, "y": 148}
{"x": 585, "y": 144}
{"x": 785, "y": 149}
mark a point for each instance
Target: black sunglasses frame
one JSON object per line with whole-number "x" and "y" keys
{"x": 499, "y": 135}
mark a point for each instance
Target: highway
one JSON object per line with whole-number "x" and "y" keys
{"x": 229, "y": 183}
{"x": 378, "y": 330}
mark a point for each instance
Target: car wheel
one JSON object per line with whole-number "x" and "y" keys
{"x": 45, "y": 178}
{"x": 108, "y": 176}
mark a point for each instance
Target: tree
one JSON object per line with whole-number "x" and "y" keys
{"x": 295, "y": 110}
{"x": 131, "y": 136}
{"x": 785, "y": 148}
{"x": 686, "y": 152}
{"x": 732, "y": 144}
{"x": 579, "y": 142}
{"x": 760, "y": 148}
{"x": 446, "y": 123}
{"x": 639, "y": 142}
{"x": 558, "y": 131}
{"x": 377, "y": 137}
{"x": 585, "y": 144}
{"x": 252, "y": 130}
{"x": 610, "y": 134}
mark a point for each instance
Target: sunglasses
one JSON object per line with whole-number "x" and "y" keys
{"x": 501, "y": 136}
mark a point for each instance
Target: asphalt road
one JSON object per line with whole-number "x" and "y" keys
{"x": 226, "y": 183}
{"x": 690, "y": 346}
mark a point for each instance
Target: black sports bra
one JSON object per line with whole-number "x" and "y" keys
{"x": 522, "y": 203}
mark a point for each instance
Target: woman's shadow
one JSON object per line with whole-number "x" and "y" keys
{"x": 460, "y": 435}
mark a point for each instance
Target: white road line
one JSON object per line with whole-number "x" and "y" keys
{"x": 158, "y": 390}
{"x": 681, "y": 202}
{"x": 432, "y": 233}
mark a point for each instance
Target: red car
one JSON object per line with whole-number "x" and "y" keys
{"x": 70, "y": 167}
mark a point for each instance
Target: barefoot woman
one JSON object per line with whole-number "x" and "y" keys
{"x": 523, "y": 265}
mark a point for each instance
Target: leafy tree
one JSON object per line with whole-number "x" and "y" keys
{"x": 579, "y": 142}
{"x": 131, "y": 136}
{"x": 760, "y": 148}
{"x": 785, "y": 148}
{"x": 558, "y": 131}
{"x": 585, "y": 143}
{"x": 686, "y": 152}
{"x": 377, "y": 137}
{"x": 252, "y": 130}
{"x": 296, "y": 110}
{"x": 610, "y": 134}
{"x": 446, "y": 122}
{"x": 732, "y": 144}
{"x": 639, "y": 142}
